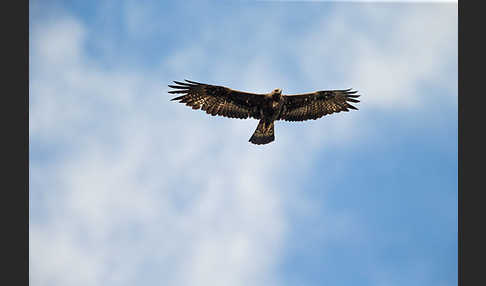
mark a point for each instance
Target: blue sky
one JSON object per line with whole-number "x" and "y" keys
{"x": 129, "y": 188}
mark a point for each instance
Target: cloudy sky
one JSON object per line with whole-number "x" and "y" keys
{"x": 128, "y": 188}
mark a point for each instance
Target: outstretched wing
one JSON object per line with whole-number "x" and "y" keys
{"x": 300, "y": 107}
{"x": 218, "y": 100}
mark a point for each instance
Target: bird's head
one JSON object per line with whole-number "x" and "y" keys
{"x": 276, "y": 93}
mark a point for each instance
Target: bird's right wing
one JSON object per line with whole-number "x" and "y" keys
{"x": 218, "y": 100}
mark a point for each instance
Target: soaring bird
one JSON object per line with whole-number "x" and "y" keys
{"x": 266, "y": 107}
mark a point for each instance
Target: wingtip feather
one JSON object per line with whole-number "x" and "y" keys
{"x": 352, "y": 100}
{"x": 177, "y": 86}
{"x": 193, "y": 82}
{"x": 181, "y": 83}
{"x": 177, "y": 91}
{"x": 177, "y": 98}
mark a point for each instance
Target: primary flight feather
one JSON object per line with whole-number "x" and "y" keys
{"x": 266, "y": 107}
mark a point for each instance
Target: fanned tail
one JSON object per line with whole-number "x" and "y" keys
{"x": 264, "y": 133}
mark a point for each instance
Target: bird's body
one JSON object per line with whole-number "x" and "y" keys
{"x": 269, "y": 107}
{"x": 274, "y": 103}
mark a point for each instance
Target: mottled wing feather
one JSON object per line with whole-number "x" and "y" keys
{"x": 218, "y": 100}
{"x": 300, "y": 107}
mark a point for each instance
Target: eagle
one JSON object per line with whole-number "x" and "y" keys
{"x": 265, "y": 107}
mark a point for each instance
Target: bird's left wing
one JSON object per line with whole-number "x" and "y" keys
{"x": 218, "y": 100}
{"x": 300, "y": 107}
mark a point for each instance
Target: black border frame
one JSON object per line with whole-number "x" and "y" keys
{"x": 15, "y": 87}
{"x": 470, "y": 206}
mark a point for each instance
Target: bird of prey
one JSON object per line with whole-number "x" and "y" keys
{"x": 266, "y": 107}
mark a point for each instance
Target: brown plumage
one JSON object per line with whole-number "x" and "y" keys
{"x": 266, "y": 107}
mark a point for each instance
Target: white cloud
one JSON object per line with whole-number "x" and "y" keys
{"x": 388, "y": 66}
{"x": 136, "y": 188}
